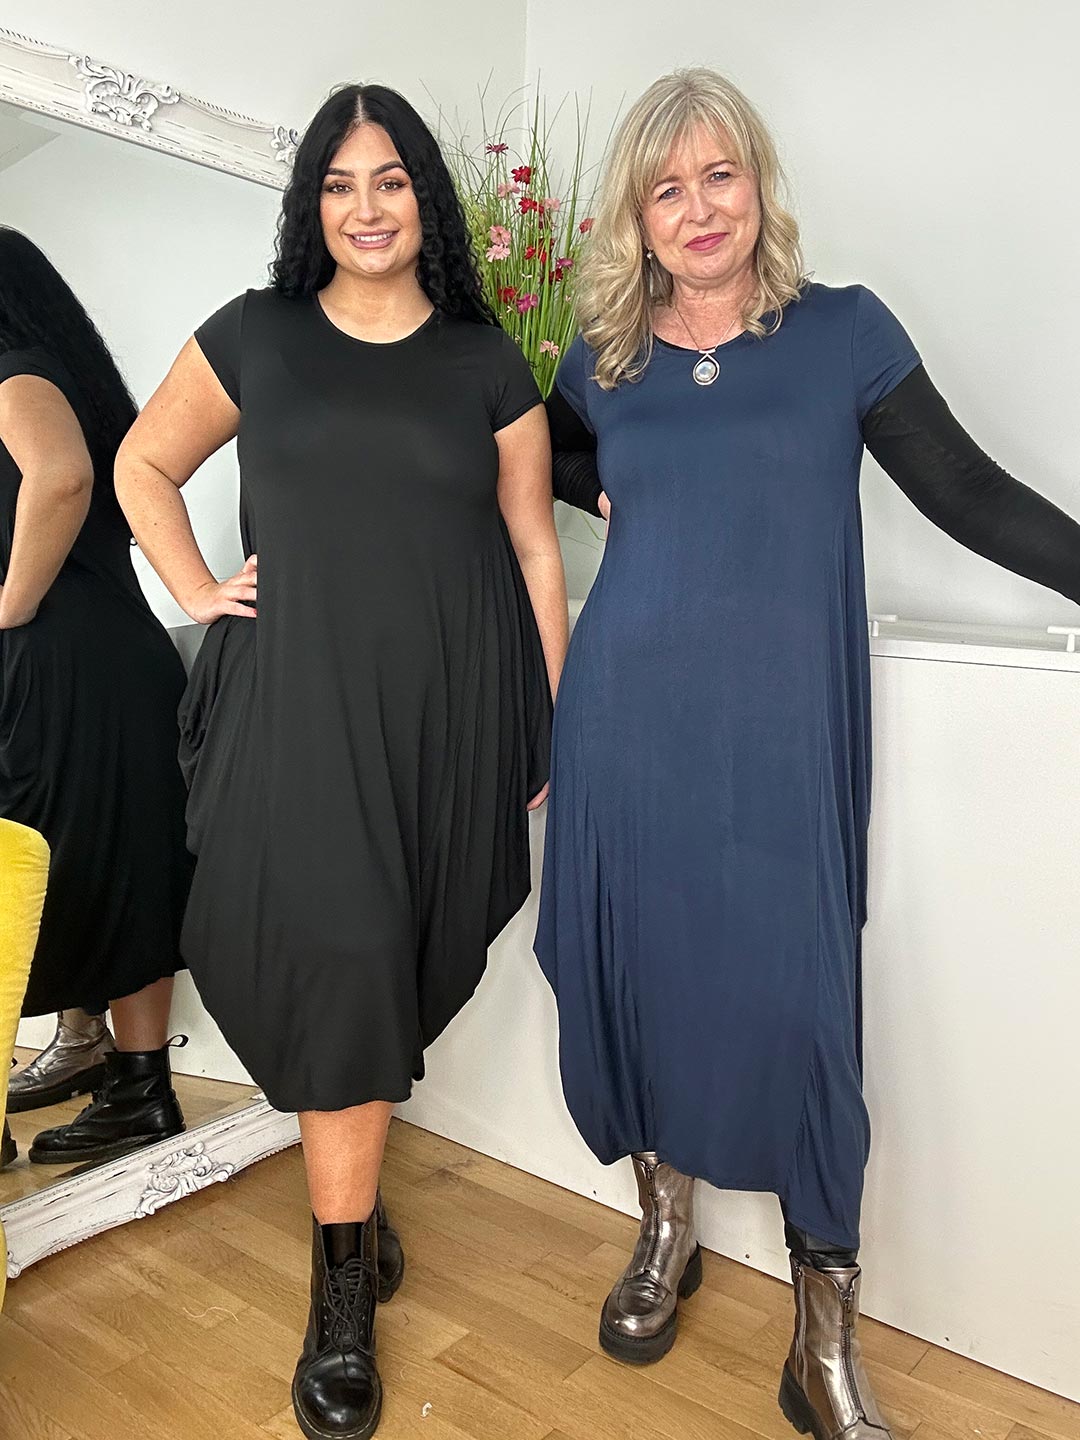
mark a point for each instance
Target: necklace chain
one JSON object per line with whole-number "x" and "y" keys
{"x": 707, "y": 368}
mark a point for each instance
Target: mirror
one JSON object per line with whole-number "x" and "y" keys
{"x": 151, "y": 244}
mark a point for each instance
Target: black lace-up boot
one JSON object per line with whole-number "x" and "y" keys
{"x": 337, "y": 1393}
{"x": 135, "y": 1106}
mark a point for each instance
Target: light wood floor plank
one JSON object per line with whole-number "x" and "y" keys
{"x": 1024, "y": 1403}
{"x": 23, "y": 1421}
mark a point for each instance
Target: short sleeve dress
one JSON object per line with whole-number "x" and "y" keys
{"x": 361, "y": 754}
{"x": 705, "y": 871}
{"x": 88, "y": 735}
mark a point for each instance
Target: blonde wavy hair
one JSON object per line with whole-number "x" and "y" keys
{"x": 618, "y": 287}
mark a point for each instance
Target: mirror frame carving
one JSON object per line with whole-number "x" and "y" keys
{"x": 56, "y": 81}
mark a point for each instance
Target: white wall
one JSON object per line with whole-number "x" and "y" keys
{"x": 931, "y": 146}
{"x": 277, "y": 61}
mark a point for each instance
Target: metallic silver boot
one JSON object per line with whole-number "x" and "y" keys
{"x": 825, "y": 1391}
{"x": 640, "y": 1315}
{"x": 73, "y": 1063}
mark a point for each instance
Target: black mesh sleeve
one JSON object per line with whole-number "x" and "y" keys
{"x": 575, "y": 478}
{"x": 918, "y": 442}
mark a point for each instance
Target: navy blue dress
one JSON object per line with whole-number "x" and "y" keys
{"x": 705, "y": 872}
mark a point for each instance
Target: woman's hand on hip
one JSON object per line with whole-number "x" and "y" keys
{"x": 235, "y": 596}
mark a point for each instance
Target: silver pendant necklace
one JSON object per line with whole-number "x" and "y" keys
{"x": 707, "y": 368}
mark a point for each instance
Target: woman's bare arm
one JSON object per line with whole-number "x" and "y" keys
{"x": 45, "y": 440}
{"x": 186, "y": 420}
{"x": 526, "y": 503}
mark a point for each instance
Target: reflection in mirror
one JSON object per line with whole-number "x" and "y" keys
{"x": 141, "y": 243}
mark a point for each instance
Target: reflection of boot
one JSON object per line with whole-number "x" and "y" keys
{"x": 336, "y": 1391}
{"x": 135, "y": 1106}
{"x": 73, "y": 1063}
{"x": 8, "y": 1149}
{"x": 639, "y": 1318}
{"x": 391, "y": 1255}
{"x": 825, "y": 1391}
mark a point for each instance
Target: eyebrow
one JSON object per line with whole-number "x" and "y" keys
{"x": 712, "y": 165}
{"x": 379, "y": 169}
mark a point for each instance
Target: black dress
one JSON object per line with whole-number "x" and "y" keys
{"x": 362, "y": 753}
{"x": 88, "y": 733}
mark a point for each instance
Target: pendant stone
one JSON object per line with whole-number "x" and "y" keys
{"x": 706, "y": 370}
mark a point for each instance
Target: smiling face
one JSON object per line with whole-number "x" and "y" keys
{"x": 702, "y": 218}
{"x": 368, "y": 208}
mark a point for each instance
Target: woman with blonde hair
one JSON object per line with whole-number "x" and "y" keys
{"x": 705, "y": 874}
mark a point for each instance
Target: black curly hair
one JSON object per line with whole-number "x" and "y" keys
{"x": 40, "y": 311}
{"x": 447, "y": 268}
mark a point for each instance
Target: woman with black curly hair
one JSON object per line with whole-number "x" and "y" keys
{"x": 363, "y": 753}
{"x": 89, "y": 684}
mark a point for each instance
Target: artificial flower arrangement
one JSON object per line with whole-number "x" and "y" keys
{"x": 529, "y": 228}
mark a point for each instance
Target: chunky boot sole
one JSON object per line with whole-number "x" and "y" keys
{"x": 97, "y": 1153}
{"x": 314, "y": 1433}
{"x": 798, "y": 1410}
{"x": 647, "y": 1349}
{"x": 81, "y": 1084}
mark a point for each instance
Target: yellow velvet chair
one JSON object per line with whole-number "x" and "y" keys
{"x": 24, "y": 871}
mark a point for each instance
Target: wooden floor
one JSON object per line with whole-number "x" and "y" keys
{"x": 186, "y": 1326}
{"x": 201, "y": 1101}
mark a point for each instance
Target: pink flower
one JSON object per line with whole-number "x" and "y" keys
{"x": 550, "y": 203}
{"x": 566, "y": 263}
{"x": 498, "y": 252}
{"x": 548, "y": 347}
{"x": 527, "y": 302}
{"x": 499, "y": 149}
{"x": 586, "y": 225}
{"x": 502, "y": 191}
{"x": 500, "y": 234}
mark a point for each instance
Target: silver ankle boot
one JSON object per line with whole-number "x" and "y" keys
{"x": 640, "y": 1315}
{"x": 825, "y": 1391}
{"x": 73, "y": 1063}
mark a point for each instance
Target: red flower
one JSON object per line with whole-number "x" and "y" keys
{"x": 531, "y": 253}
{"x": 526, "y": 205}
{"x": 507, "y": 293}
{"x": 499, "y": 149}
{"x": 586, "y": 226}
{"x": 523, "y": 174}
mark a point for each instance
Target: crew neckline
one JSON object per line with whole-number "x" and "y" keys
{"x": 696, "y": 349}
{"x": 372, "y": 344}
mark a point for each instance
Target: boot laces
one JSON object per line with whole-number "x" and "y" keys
{"x": 345, "y": 1289}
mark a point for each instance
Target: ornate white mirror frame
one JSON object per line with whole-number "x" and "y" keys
{"x": 105, "y": 97}
{"x": 57, "y": 82}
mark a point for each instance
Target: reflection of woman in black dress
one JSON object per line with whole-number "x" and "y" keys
{"x": 361, "y": 755}
{"x": 89, "y": 685}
